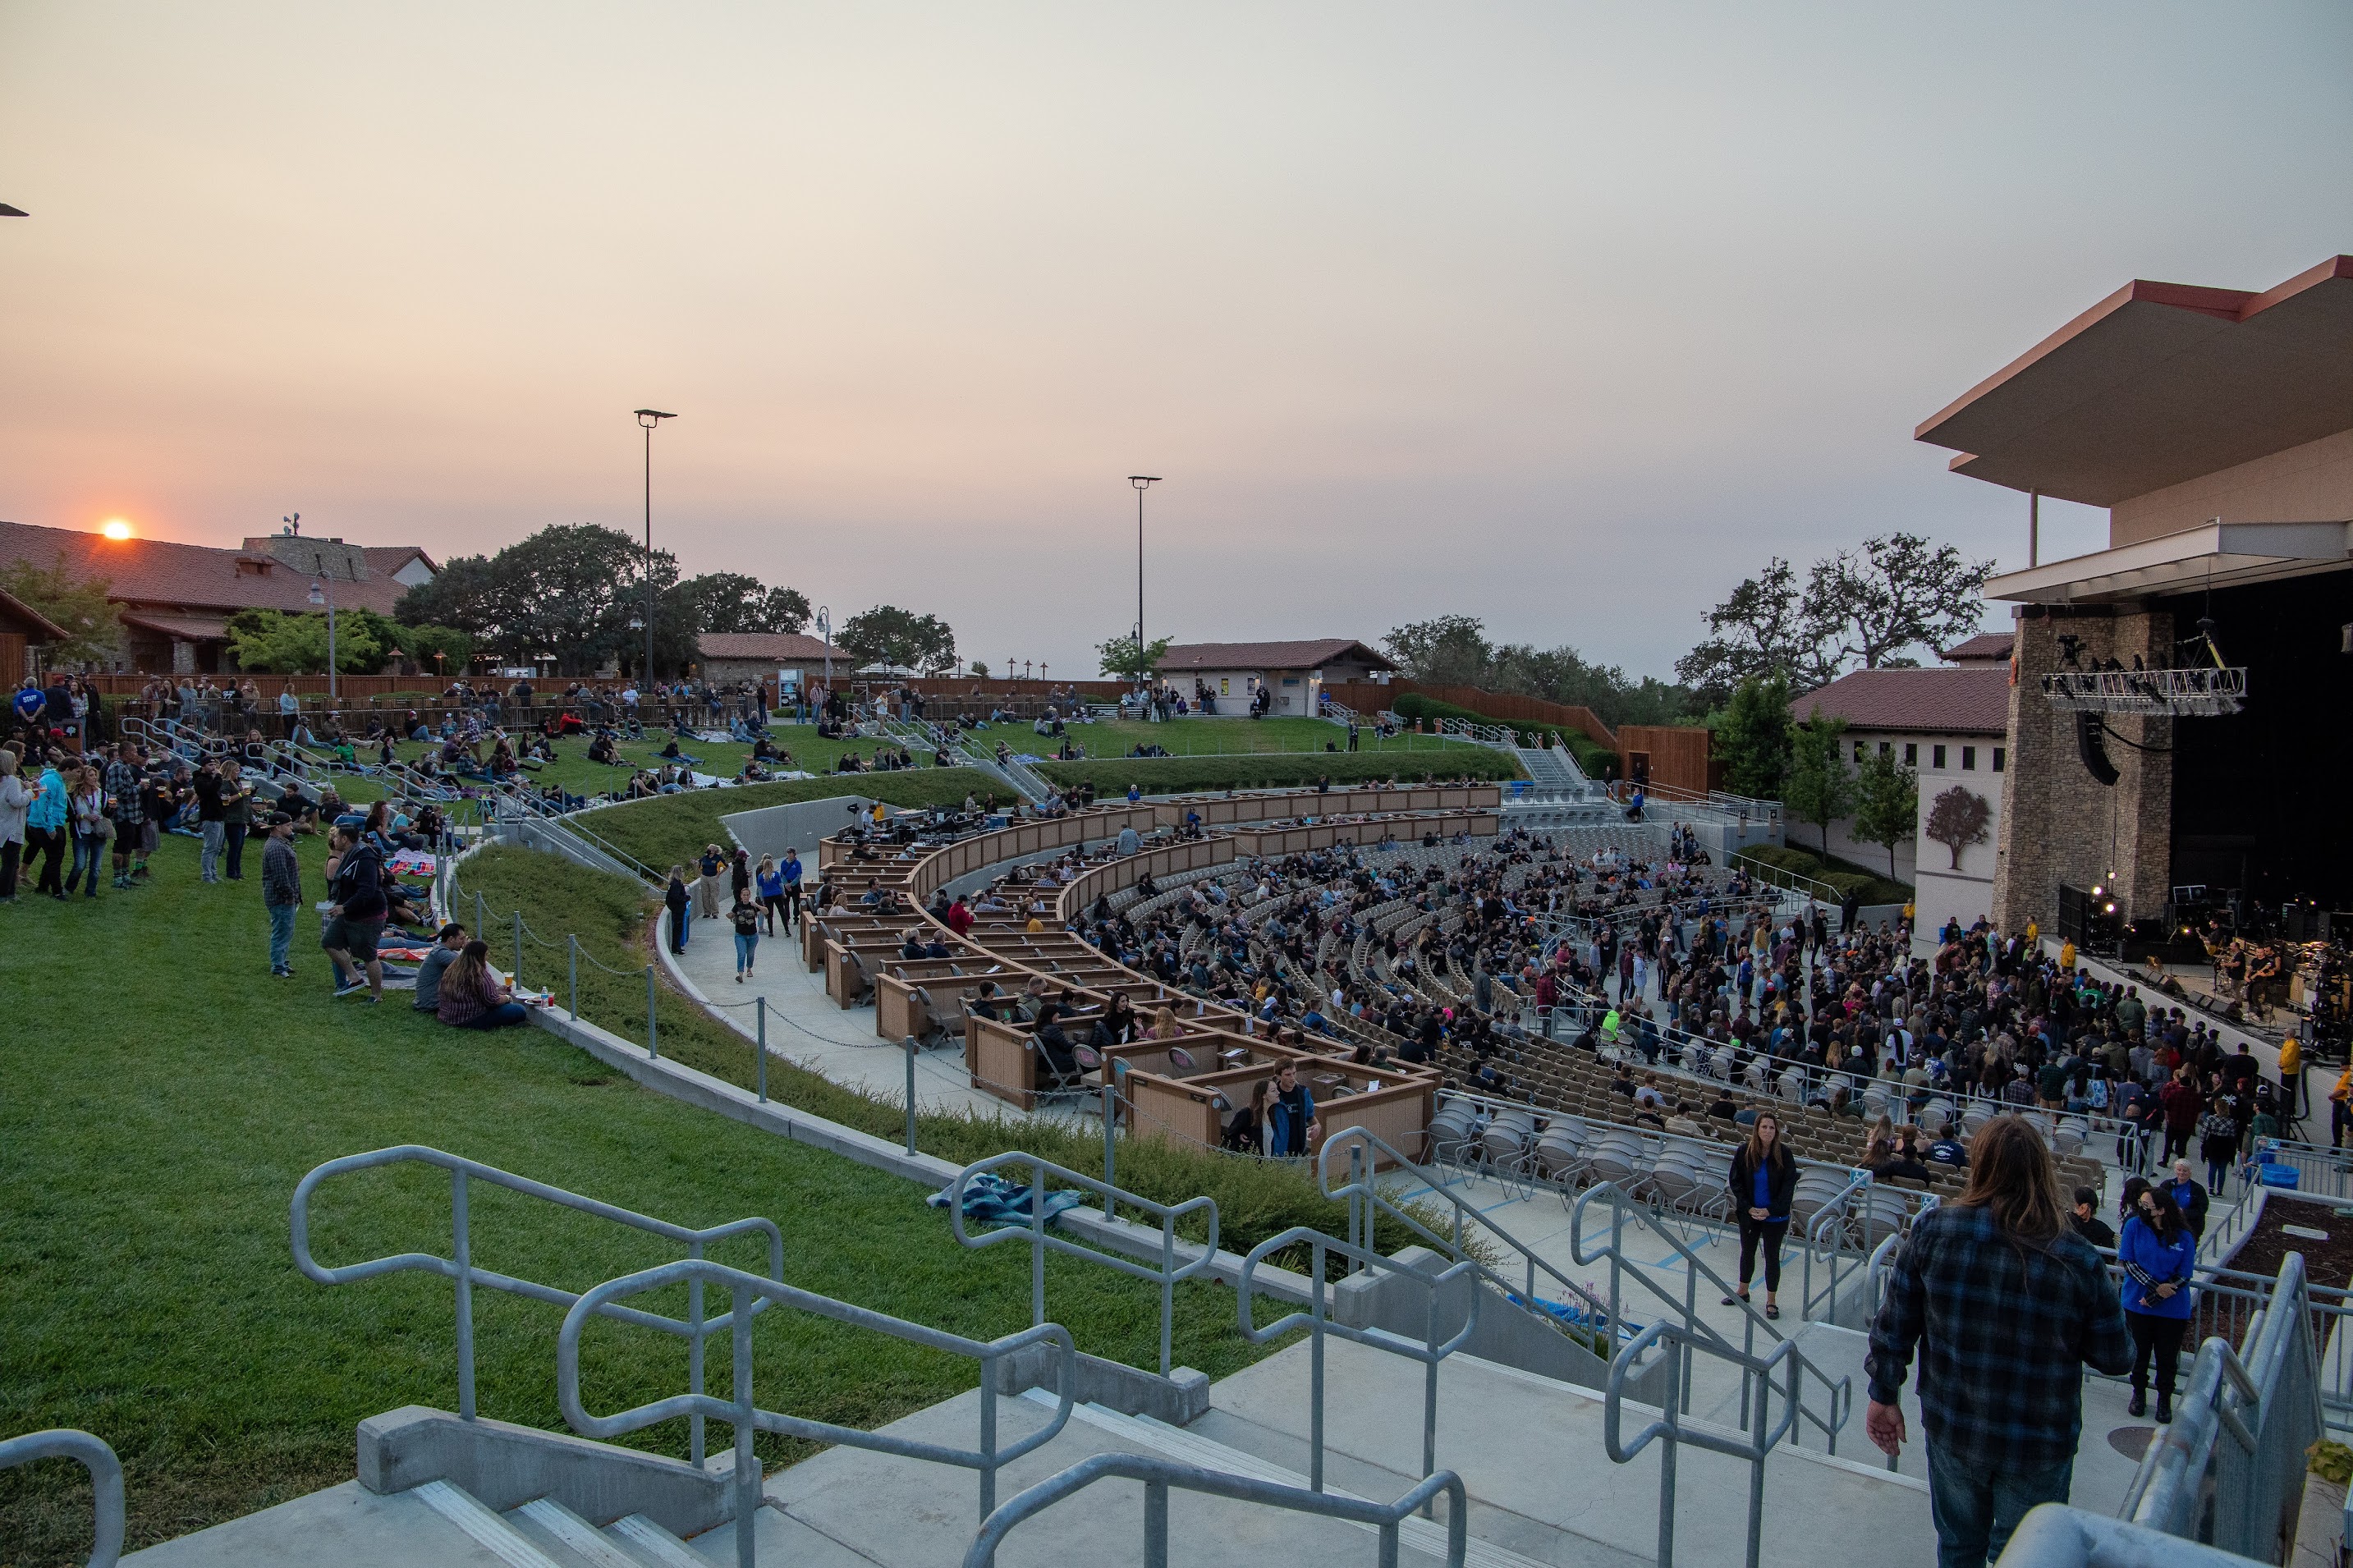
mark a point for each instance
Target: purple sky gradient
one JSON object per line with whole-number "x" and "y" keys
{"x": 1566, "y": 317}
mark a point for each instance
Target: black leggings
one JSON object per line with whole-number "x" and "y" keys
{"x": 2163, "y": 1336}
{"x": 1752, "y": 1234}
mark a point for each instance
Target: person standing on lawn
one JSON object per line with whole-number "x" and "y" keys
{"x": 2005, "y": 1304}
{"x": 281, "y": 890}
{"x": 355, "y": 920}
{"x": 212, "y": 820}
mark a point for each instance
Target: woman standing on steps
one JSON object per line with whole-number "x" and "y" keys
{"x": 1763, "y": 1180}
{"x": 2157, "y": 1253}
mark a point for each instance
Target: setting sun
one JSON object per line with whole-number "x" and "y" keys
{"x": 115, "y": 528}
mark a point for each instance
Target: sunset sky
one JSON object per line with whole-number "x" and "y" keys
{"x": 1562, "y": 316}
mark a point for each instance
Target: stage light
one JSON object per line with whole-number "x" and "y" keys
{"x": 115, "y": 528}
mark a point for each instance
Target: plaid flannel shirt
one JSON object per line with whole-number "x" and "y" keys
{"x": 122, "y": 782}
{"x": 2004, "y": 1329}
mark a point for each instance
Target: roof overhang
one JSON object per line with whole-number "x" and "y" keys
{"x": 2159, "y": 384}
{"x": 2217, "y": 554}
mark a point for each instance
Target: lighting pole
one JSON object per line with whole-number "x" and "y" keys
{"x": 321, "y": 594}
{"x": 1141, "y": 483}
{"x": 825, "y": 636}
{"x": 649, "y": 418}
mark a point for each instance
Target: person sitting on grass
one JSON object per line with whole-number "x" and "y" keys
{"x": 446, "y": 951}
{"x": 473, "y": 997}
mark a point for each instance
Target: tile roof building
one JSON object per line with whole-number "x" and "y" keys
{"x": 175, "y": 599}
{"x": 767, "y": 657}
{"x": 1291, "y": 673}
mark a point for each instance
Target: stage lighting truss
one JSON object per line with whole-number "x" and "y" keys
{"x": 2201, "y": 693}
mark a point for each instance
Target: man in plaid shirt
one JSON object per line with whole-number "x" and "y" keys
{"x": 124, "y": 778}
{"x": 2006, "y": 1305}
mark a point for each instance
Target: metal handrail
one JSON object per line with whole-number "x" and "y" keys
{"x": 1364, "y": 1198}
{"x": 1166, "y": 1274}
{"x": 2053, "y": 1535}
{"x": 105, "y": 1481}
{"x": 2238, "y": 1495}
{"x": 1752, "y": 1446}
{"x": 461, "y": 1267}
{"x": 748, "y": 1294}
{"x": 1159, "y": 1474}
{"x": 1430, "y": 1351}
{"x": 1702, "y": 1333}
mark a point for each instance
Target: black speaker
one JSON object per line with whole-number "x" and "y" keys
{"x": 2091, "y": 744}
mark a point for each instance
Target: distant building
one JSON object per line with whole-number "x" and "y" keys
{"x": 2215, "y": 425}
{"x": 768, "y": 657}
{"x": 1294, "y": 672}
{"x": 22, "y": 629}
{"x": 1951, "y": 726}
{"x": 174, "y": 600}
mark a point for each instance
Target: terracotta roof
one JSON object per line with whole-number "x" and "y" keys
{"x": 187, "y": 628}
{"x": 164, "y": 572}
{"x": 1269, "y": 654}
{"x": 1971, "y": 700}
{"x": 386, "y": 559}
{"x": 34, "y": 624}
{"x": 1985, "y": 644}
{"x": 779, "y": 647}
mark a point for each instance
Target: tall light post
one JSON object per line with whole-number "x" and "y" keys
{"x": 320, "y": 594}
{"x": 825, "y": 636}
{"x": 1141, "y": 483}
{"x": 649, "y": 418}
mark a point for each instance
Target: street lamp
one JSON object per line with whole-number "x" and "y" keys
{"x": 320, "y": 594}
{"x": 825, "y": 636}
{"x": 649, "y": 418}
{"x": 1141, "y": 483}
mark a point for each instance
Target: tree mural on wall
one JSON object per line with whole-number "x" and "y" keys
{"x": 1958, "y": 819}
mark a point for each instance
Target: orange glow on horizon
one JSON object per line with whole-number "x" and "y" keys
{"x": 115, "y": 528}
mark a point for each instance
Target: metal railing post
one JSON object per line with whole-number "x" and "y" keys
{"x": 760, "y": 1010}
{"x": 653, "y": 1045}
{"x": 1110, "y": 1157}
{"x": 572, "y": 949}
{"x": 461, "y": 1256}
{"x": 749, "y": 1481}
{"x": 1037, "y": 1245}
{"x": 1315, "y": 1446}
{"x": 1155, "y": 1524}
{"x": 482, "y": 916}
{"x": 909, "y": 1044}
{"x": 514, "y": 976}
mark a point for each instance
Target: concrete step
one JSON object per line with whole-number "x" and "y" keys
{"x": 347, "y": 1526}
{"x": 571, "y": 1540}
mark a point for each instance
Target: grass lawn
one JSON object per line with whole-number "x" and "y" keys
{"x": 1226, "y": 737}
{"x": 1268, "y": 770}
{"x": 574, "y": 772}
{"x": 151, "y": 1135}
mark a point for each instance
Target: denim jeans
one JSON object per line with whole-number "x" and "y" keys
{"x": 281, "y": 936}
{"x": 89, "y": 849}
{"x": 215, "y": 834}
{"x": 1975, "y": 1511}
{"x": 504, "y": 1015}
{"x": 746, "y": 942}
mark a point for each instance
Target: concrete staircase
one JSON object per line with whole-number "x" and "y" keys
{"x": 430, "y": 1526}
{"x": 1529, "y": 1450}
{"x": 1553, "y": 770}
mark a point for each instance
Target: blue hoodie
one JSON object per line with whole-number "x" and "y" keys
{"x": 2149, "y": 1261}
{"x": 47, "y": 812}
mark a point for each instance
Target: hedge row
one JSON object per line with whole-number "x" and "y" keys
{"x": 1598, "y": 760}
{"x": 1271, "y": 769}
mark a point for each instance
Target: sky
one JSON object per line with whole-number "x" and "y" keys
{"x": 1563, "y": 316}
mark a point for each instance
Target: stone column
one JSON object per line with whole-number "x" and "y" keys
{"x": 2058, "y": 822}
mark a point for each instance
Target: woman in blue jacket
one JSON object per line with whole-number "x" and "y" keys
{"x": 2157, "y": 1252}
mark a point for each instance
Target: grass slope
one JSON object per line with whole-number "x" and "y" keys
{"x": 160, "y": 1095}
{"x": 1174, "y": 775}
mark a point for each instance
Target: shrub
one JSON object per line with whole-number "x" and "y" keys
{"x": 1270, "y": 770}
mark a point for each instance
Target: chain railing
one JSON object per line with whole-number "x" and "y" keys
{"x": 749, "y": 1294}
{"x": 105, "y": 1470}
{"x": 461, "y": 1270}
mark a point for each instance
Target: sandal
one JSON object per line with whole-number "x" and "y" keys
{"x": 1771, "y": 1311}
{"x": 1731, "y": 1300}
